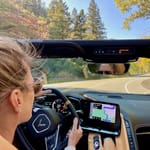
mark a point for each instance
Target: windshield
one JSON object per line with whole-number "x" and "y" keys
{"x": 81, "y": 20}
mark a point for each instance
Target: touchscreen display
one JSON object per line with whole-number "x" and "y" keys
{"x": 102, "y": 112}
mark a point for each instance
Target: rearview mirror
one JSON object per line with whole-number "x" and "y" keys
{"x": 114, "y": 69}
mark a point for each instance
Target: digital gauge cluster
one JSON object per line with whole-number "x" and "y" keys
{"x": 52, "y": 101}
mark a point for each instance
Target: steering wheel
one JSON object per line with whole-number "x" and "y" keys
{"x": 45, "y": 129}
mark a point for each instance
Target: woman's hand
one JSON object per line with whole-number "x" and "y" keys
{"x": 74, "y": 134}
{"x": 41, "y": 93}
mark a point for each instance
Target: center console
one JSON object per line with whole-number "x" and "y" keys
{"x": 121, "y": 142}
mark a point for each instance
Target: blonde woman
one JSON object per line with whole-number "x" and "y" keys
{"x": 17, "y": 92}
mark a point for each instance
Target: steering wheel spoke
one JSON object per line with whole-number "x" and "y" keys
{"x": 52, "y": 140}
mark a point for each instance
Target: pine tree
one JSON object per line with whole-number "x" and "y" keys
{"x": 95, "y": 26}
{"x": 78, "y": 28}
{"x": 73, "y": 18}
{"x": 58, "y": 20}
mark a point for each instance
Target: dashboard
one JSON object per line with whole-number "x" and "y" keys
{"x": 136, "y": 126}
{"x": 97, "y": 116}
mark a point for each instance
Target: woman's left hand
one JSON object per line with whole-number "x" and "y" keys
{"x": 41, "y": 93}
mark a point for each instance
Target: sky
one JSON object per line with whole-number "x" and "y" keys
{"x": 113, "y": 19}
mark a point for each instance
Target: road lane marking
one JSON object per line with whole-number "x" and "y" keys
{"x": 146, "y": 91}
{"x": 126, "y": 86}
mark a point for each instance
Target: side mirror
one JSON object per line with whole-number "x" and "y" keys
{"x": 113, "y": 69}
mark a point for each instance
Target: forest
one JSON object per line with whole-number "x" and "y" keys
{"x": 32, "y": 19}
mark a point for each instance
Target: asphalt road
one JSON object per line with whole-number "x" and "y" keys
{"x": 140, "y": 85}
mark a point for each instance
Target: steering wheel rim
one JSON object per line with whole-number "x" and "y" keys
{"x": 45, "y": 112}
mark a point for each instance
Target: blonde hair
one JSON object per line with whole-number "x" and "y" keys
{"x": 13, "y": 57}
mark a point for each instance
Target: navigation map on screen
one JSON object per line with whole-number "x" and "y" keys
{"x": 103, "y": 112}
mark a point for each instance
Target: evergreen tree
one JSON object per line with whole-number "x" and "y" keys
{"x": 58, "y": 20}
{"x": 73, "y": 18}
{"x": 78, "y": 28}
{"x": 74, "y": 14}
{"x": 95, "y": 26}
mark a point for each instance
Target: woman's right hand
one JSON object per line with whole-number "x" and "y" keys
{"x": 75, "y": 133}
